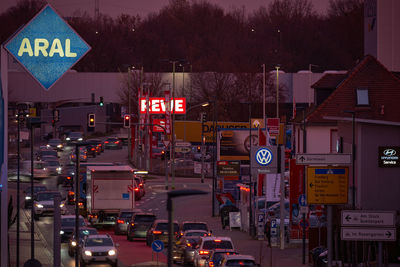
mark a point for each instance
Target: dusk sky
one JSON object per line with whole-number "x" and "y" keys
{"x": 144, "y": 7}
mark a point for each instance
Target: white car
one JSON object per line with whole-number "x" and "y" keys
{"x": 43, "y": 204}
{"x": 238, "y": 260}
{"x": 99, "y": 249}
{"x": 208, "y": 243}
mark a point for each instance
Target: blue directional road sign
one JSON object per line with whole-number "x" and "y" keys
{"x": 157, "y": 246}
{"x": 302, "y": 200}
{"x": 47, "y": 47}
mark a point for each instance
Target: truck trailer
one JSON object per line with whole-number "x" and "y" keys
{"x": 109, "y": 190}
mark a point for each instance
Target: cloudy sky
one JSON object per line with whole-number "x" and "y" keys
{"x": 143, "y": 7}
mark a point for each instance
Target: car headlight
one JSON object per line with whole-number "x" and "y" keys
{"x": 88, "y": 253}
{"x": 62, "y": 205}
{"x": 112, "y": 252}
{"x": 28, "y": 197}
{"x": 80, "y": 139}
{"x": 67, "y": 138}
{"x": 39, "y": 205}
{"x": 73, "y": 243}
{"x": 44, "y": 169}
{"x": 47, "y": 145}
{"x": 59, "y": 146}
{"x": 61, "y": 232}
{"x": 59, "y": 169}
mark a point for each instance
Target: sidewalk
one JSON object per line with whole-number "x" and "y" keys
{"x": 42, "y": 252}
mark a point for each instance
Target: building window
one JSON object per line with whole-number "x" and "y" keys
{"x": 362, "y": 97}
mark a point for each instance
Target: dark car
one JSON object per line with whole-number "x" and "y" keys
{"x": 68, "y": 226}
{"x": 159, "y": 231}
{"x": 184, "y": 248}
{"x": 112, "y": 143}
{"x": 73, "y": 138}
{"x": 122, "y": 221}
{"x": 217, "y": 255}
{"x": 99, "y": 144}
{"x": 139, "y": 189}
{"x": 83, "y": 231}
{"x": 28, "y": 196}
{"x": 92, "y": 150}
{"x": 139, "y": 224}
{"x": 55, "y": 144}
{"x": 46, "y": 152}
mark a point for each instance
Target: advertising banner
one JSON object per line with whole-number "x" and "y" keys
{"x": 156, "y": 128}
{"x": 235, "y": 144}
{"x": 296, "y": 189}
{"x": 273, "y": 186}
{"x": 158, "y": 105}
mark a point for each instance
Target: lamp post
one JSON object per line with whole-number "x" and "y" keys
{"x": 171, "y": 195}
{"x": 214, "y": 180}
{"x": 353, "y": 160}
{"x": 277, "y": 90}
{"x": 264, "y": 78}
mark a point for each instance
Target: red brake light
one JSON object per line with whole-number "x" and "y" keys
{"x": 120, "y": 221}
{"x": 204, "y": 252}
{"x": 117, "y": 142}
{"x": 71, "y": 193}
{"x": 156, "y": 232}
{"x": 106, "y": 142}
{"x": 132, "y": 224}
{"x": 136, "y": 188}
{"x": 188, "y": 244}
{"x": 217, "y": 240}
{"x": 68, "y": 178}
{"x": 80, "y": 204}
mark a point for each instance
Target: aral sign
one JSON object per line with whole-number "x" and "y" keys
{"x": 47, "y": 47}
{"x": 157, "y": 105}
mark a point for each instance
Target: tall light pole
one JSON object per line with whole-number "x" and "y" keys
{"x": 277, "y": 90}
{"x": 264, "y": 78}
{"x": 173, "y": 127}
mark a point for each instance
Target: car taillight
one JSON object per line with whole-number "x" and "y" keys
{"x": 80, "y": 204}
{"x": 155, "y": 232}
{"x": 117, "y": 142}
{"x": 120, "y": 221}
{"x": 71, "y": 193}
{"x": 132, "y": 224}
{"x": 68, "y": 178}
{"x": 106, "y": 142}
{"x": 92, "y": 148}
{"x": 217, "y": 240}
{"x": 136, "y": 188}
{"x": 204, "y": 252}
{"x": 140, "y": 184}
{"x": 188, "y": 245}
{"x": 210, "y": 264}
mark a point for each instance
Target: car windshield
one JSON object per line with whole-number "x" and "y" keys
{"x": 53, "y": 163}
{"x": 54, "y": 142}
{"x": 145, "y": 218}
{"x": 164, "y": 227}
{"x": 48, "y": 153}
{"x": 70, "y": 222}
{"x": 99, "y": 242}
{"x": 218, "y": 256}
{"x": 196, "y": 234}
{"x": 35, "y": 189}
{"x": 240, "y": 263}
{"x": 46, "y": 196}
{"x": 75, "y": 135}
{"x": 213, "y": 244}
{"x": 126, "y": 214}
{"x": 194, "y": 226}
{"x": 38, "y": 165}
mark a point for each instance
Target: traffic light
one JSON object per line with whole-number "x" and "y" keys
{"x": 91, "y": 120}
{"x": 198, "y": 149}
{"x": 203, "y": 116}
{"x": 101, "y": 101}
{"x": 127, "y": 121}
{"x": 163, "y": 155}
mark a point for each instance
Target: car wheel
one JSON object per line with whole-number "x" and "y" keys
{"x": 115, "y": 264}
{"x": 36, "y": 217}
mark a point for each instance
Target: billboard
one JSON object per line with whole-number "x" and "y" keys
{"x": 235, "y": 144}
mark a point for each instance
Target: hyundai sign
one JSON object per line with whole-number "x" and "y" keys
{"x": 47, "y": 47}
{"x": 388, "y": 156}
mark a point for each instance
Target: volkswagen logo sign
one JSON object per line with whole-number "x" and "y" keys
{"x": 389, "y": 152}
{"x": 264, "y": 156}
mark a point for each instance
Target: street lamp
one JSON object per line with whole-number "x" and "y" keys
{"x": 277, "y": 90}
{"x": 171, "y": 195}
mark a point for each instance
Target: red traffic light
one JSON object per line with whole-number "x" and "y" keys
{"x": 127, "y": 121}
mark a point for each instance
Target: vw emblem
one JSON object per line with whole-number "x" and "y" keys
{"x": 264, "y": 156}
{"x": 389, "y": 152}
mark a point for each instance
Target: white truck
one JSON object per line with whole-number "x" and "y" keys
{"x": 109, "y": 190}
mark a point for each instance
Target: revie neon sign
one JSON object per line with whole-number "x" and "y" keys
{"x": 157, "y": 105}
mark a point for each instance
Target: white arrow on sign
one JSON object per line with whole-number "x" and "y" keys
{"x": 368, "y": 218}
{"x": 368, "y": 234}
{"x": 310, "y": 159}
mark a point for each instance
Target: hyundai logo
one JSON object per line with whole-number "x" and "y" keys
{"x": 389, "y": 152}
{"x": 264, "y": 156}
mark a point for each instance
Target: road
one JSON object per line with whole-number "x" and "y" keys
{"x": 154, "y": 201}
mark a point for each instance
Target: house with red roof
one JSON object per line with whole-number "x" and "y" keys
{"x": 364, "y": 101}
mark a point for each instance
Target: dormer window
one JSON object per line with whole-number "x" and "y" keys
{"x": 362, "y": 97}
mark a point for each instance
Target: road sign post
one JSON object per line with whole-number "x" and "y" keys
{"x": 323, "y": 159}
{"x": 368, "y": 218}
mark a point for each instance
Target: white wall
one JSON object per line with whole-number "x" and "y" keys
{"x": 319, "y": 139}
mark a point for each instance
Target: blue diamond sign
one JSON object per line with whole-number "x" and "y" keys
{"x": 47, "y": 47}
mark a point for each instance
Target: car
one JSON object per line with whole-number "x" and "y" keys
{"x": 46, "y": 152}
{"x": 68, "y": 226}
{"x": 39, "y": 169}
{"x": 43, "y": 204}
{"x": 99, "y": 249}
{"x": 207, "y": 244}
{"x": 238, "y": 260}
{"x": 122, "y": 221}
{"x": 156, "y": 152}
{"x": 83, "y": 231}
{"x": 139, "y": 225}
{"x": 28, "y": 197}
{"x": 99, "y": 144}
{"x": 159, "y": 231}
{"x": 82, "y": 154}
{"x": 55, "y": 144}
{"x": 184, "y": 248}
{"x": 193, "y": 225}
{"x": 112, "y": 143}
{"x": 73, "y": 138}
{"x": 92, "y": 150}
{"x": 217, "y": 255}
{"x": 139, "y": 189}
{"x": 54, "y": 167}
